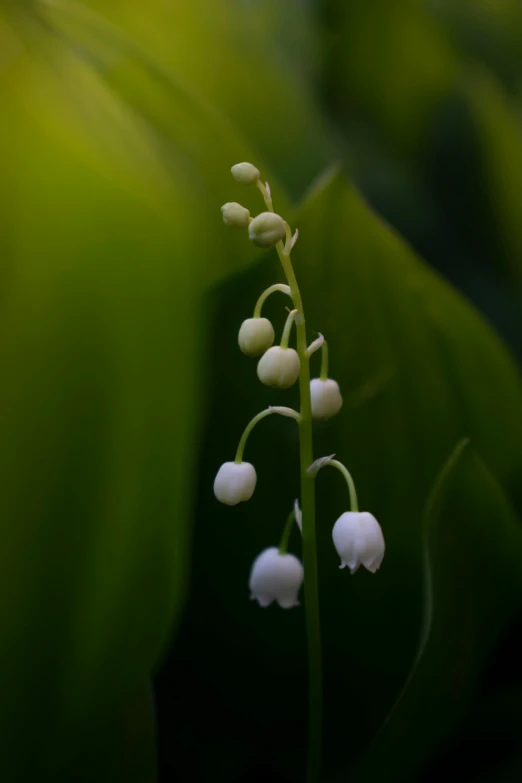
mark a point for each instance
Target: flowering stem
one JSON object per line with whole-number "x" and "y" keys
{"x": 306, "y": 454}
{"x": 260, "y": 302}
{"x": 288, "y": 328}
{"x": 283, "y": 546}
{"x": 281, "y": 410}
{"x": 315, "y": 683}
{"x": 354, "y": 506}
{"x": 324, "y": 361}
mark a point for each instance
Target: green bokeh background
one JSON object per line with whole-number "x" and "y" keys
{"x": 391, "y": 136}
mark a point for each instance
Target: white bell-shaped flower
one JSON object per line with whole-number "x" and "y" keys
{"x": 276, "y": 577}
{"x": 235, "y": 482}
{"x": 266, "y": 229}
{"x": 256, "y": 335}
{"x": 235, "y": 215}
{"x": 358, "y": 538}
{"x": 245, "y": 173}
{"x": 279, "y": 367}
{"x": 326, "y": 398}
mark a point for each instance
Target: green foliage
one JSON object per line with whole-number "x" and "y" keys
{"x": 123, "y": 388}
{"x": 415, "y": 363}
{"x": 113, "y": 160}
{"x": 473, "y": 549}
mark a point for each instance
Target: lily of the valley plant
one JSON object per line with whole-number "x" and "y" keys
{"x": 277, "y": 575}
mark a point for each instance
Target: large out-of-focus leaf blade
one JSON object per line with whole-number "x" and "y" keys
{"x": 419, "y": 369}
{"x": 238, "y": 57}
{"x": 109, "y": 238}
{"x": 498, "y": 146}
{"x": 134, "y": 754}
{"x": 390, "y": 64}
{"x": 473, "y": 585}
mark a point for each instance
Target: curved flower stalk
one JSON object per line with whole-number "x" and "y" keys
{"x": 276, "y": 575}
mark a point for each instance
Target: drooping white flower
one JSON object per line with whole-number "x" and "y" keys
{"x": 276, "y": 577}
{"x": 256, "y": 335}
{"x": 326, "y": 398}
{"x": 245, "y": 173}
{"x": 266, "y": 229}
{"x": 358, "y": 538}
{"x": 279, "y": 367}
{"x": 235, "y": 215}
{"x": 235, "y": 482}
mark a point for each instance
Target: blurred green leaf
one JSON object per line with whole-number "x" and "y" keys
{"x": 484, "y": 31}
{"x": 498, "y": 141}
{"x": 233, "y": 55}
{"x": 134, "y": 754}
{"x": 111, "y": 232}
{"x": 473, "y": 551}
{"x": 390, "y": 63}
{"x": 419, "y": 369}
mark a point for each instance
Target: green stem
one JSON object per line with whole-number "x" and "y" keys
{"x": 354, "y": 506}
{"x": 324, "y": 361}
{"x": 283, "y": 546}
{"x": 311, "y": 589}
{"x": 282, "y": 411}
{"x": 285, "y": 337}
{"x": 260, "y": 302}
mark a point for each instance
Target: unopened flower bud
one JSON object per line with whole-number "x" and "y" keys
{"x": 245, "y": 173}
{"x": 256, "y": 335}
{"x": 235, "y": 215}
{"x": 276, "y": 577}
{"x": 358, "y": 538}
{"x": 279, "y": 367}
{"x": 266, "y": 229}
{"x": 326, "y": 398}
{"x": 234, "y": 482}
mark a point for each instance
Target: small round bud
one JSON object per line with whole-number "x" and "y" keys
{"x": 235, "y": 215}
{"x": 245, "y": 173}
{"x": 256, "y": 335}
{"x": 358, "y": 538}
{"x": 326, "y": 398}
{"x": 279, "y": 367}
{"x": 276, "y": 577}
{"x": 234, "y": 482}
{"x": 266, "y": 229}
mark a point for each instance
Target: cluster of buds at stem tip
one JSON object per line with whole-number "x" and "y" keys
{"x": 277, "y": 576}
{"x": 264, "y": 230}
